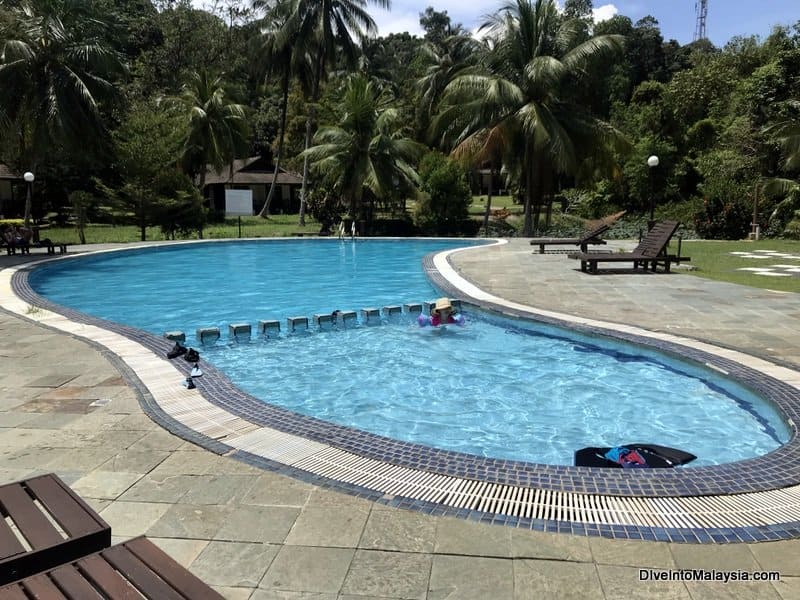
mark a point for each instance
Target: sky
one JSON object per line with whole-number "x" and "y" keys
{"x": 677, "y": 18}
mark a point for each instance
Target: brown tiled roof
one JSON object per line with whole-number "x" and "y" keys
{"x": 246, "y": 172}
{"x": 6, "y": 173}
{"x": 253, "y": 177}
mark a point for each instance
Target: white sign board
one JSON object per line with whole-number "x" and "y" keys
{"x": 238, "y": 202}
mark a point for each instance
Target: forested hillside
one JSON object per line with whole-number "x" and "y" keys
{"x": 118, "y": 106}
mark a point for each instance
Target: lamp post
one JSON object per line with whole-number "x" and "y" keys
{"x": 28, "y": 177}
{"x": 652, "y": 163}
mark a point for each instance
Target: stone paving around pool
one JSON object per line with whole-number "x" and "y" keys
{"x": 259, "y": 534}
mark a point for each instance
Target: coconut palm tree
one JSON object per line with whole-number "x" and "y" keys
{"x": 787, "y": 134}
{"x": 444, "y": 62}
{"x": 367, "y": 149}
{"x": 525, "y": 97}
{"x": 55, "y": 68}
{"x": 326, "y": 30}
{"x": 277, "y": 52}
{"x": 216, "y": 129}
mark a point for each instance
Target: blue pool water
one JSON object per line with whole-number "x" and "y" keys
{"x": 496, "y": 387}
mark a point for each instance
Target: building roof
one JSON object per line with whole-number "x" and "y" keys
{"x": 7, "y": 173}
{"x": 248, "y": 171}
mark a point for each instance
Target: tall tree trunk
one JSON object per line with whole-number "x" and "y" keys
{"x": 142, "y": 219}
{"x": 528, "y": 166}
{"x": 277, "y": 162}
{"x": 304, "y": 188}
{"x": 488, "y": 200}
{"x": 536, "y": 202}
{"x": 312, "y": 113}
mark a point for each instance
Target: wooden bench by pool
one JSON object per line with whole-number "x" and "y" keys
{"x": 133, "y": 569}
{"x": 45, "y": 524}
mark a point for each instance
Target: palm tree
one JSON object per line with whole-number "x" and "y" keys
{"x": 277, "y": 52}
{"x": 216, "y": 129}
{"x": 325, "y": 31}
{"x": 367, "y": 149}
{"x": 787, "y": 134}
{"x": 524, "y": 97}
{"x": 445, "y": 62}
{"x": 55, "y": 68}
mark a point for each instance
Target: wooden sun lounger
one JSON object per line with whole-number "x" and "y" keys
{"x": 651, "y": 251}
{"x": 51, "y": 246}
{"x": 134, "y": 569}
{"x": 14, "y": 248}
{"x": 589, "y": 237}
{"x": 45, "y": 524}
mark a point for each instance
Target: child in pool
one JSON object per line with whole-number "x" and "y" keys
{"x": 441, "y": 314}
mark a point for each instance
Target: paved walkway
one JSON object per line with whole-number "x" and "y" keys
{"x": 252, "y": 534}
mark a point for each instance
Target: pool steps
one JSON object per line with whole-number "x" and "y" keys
{"x": 242, "y": 332}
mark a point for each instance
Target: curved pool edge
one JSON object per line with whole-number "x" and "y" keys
{"x": 532, "y": 496}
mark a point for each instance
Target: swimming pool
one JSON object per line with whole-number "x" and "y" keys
{"x": 361, "y": 377}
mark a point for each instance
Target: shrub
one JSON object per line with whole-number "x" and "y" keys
{"x": 326, "y": 208}
{"x": 718, "y": 220}
{"x": 443, "y": 206}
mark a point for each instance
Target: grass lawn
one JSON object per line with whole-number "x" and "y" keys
{"x": 275, "y": 226}
{"x": 478, "y": 205}
{"x": 713, "y": 260}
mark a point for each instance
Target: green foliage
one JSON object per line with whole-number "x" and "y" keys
{"x": 367, "y": 152}
{"x": 445, "y": 196}
{"x": 146, "y": 144}
{"x": 326, "y": 208}
{"x": 57, "y": 67}
{"x": 722, "y": 220}
{"x": 81, "y": 201}
{"x": 179, "y": 206}
{"x": 215, "y": 130}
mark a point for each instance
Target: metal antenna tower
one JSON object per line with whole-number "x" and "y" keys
{"x": 701, "y": 8}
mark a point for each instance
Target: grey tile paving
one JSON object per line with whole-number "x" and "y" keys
{"x": 454, "y": 536}
{"x": 266, "y": 524}
{"x": 315, "y": 544}
{"x": 728, "y": 556}
{"x": 471, "y": 578}
{"x": 190, "y": 521}
{"x": 781, "y": 556}
{"x": 107, "y": 485}
{"x": 622, "y": 583}
{"x": 328, "y": 526}
{"x": 234, "y": 564}
{"x": 732, "y": 591}
{"x": 216, "y": 489}
{"x": 308, "y": 569}
{"x": 131, "y": 518}
{"x": 527, "y": 544}
{"x": 788, "y": 588}
{"x": 631, "y": 553}
{"x": 159, "y": 488}
{"x": 272, "y": 490}
{"x": 400, "y": 530}
{"x": 555, "y": 579}
{"x": 389, "y": 574}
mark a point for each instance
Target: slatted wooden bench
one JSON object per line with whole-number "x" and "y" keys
{"x": 51, "y": 246}
{"x": 134, "y": 569}
{"x": 45, "y": 524}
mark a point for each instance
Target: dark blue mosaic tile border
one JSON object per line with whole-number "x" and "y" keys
{"x": 780, "y": 468}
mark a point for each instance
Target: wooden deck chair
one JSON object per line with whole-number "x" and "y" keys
{"x": 133, "y": 569}
{"x": 45, "y": 524}
{"x": 590, "y": 236}
{"x": 651, "y": 251}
